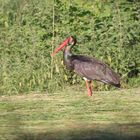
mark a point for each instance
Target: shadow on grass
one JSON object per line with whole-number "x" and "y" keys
{"x": 106, "y": 132}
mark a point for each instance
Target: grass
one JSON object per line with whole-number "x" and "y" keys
{"x": 71, "y": 115}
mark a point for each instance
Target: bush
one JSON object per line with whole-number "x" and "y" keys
{"x": 30, "y": 30}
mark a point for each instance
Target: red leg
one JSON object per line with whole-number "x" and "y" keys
{"x": 88, "y": 88}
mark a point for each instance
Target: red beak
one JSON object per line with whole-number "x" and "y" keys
{"x": 60, "y": 47}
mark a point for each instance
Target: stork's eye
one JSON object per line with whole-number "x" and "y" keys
{"x": 70, "y": 42}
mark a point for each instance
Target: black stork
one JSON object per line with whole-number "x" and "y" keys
{"x": 88, "y": 67}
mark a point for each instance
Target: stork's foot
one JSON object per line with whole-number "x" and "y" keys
{"x": 89, "y": 92}
{"x": 89, "y": 87}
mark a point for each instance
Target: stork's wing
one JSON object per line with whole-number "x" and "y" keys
{"x": 94, "y": 69}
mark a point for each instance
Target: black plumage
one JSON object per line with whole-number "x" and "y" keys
{"x": 93, "y": 69}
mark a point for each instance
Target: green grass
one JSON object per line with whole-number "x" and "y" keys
{"x": 71, "y": 115}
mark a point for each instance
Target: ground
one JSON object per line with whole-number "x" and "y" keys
{"x": 71, "y": 115}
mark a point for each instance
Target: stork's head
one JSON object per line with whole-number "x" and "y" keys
{"x": 70, "y": 41}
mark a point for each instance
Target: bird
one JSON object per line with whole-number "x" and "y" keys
{"x": 87, "y": 67}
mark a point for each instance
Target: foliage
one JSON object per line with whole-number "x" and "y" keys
{"x": 30, "y": 29}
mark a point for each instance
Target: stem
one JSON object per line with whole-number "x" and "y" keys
{"x": 119, "y": 25}
{"x": 53, "y": 26}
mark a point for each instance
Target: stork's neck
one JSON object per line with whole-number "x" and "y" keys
{"x": 67, "y": 57}
{"x": 67, "y": 52}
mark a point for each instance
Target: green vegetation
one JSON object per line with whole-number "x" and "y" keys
{"x": 31, "y": 29}
{"x": 71, "y": 116}
{"x": 58, "y": 107}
